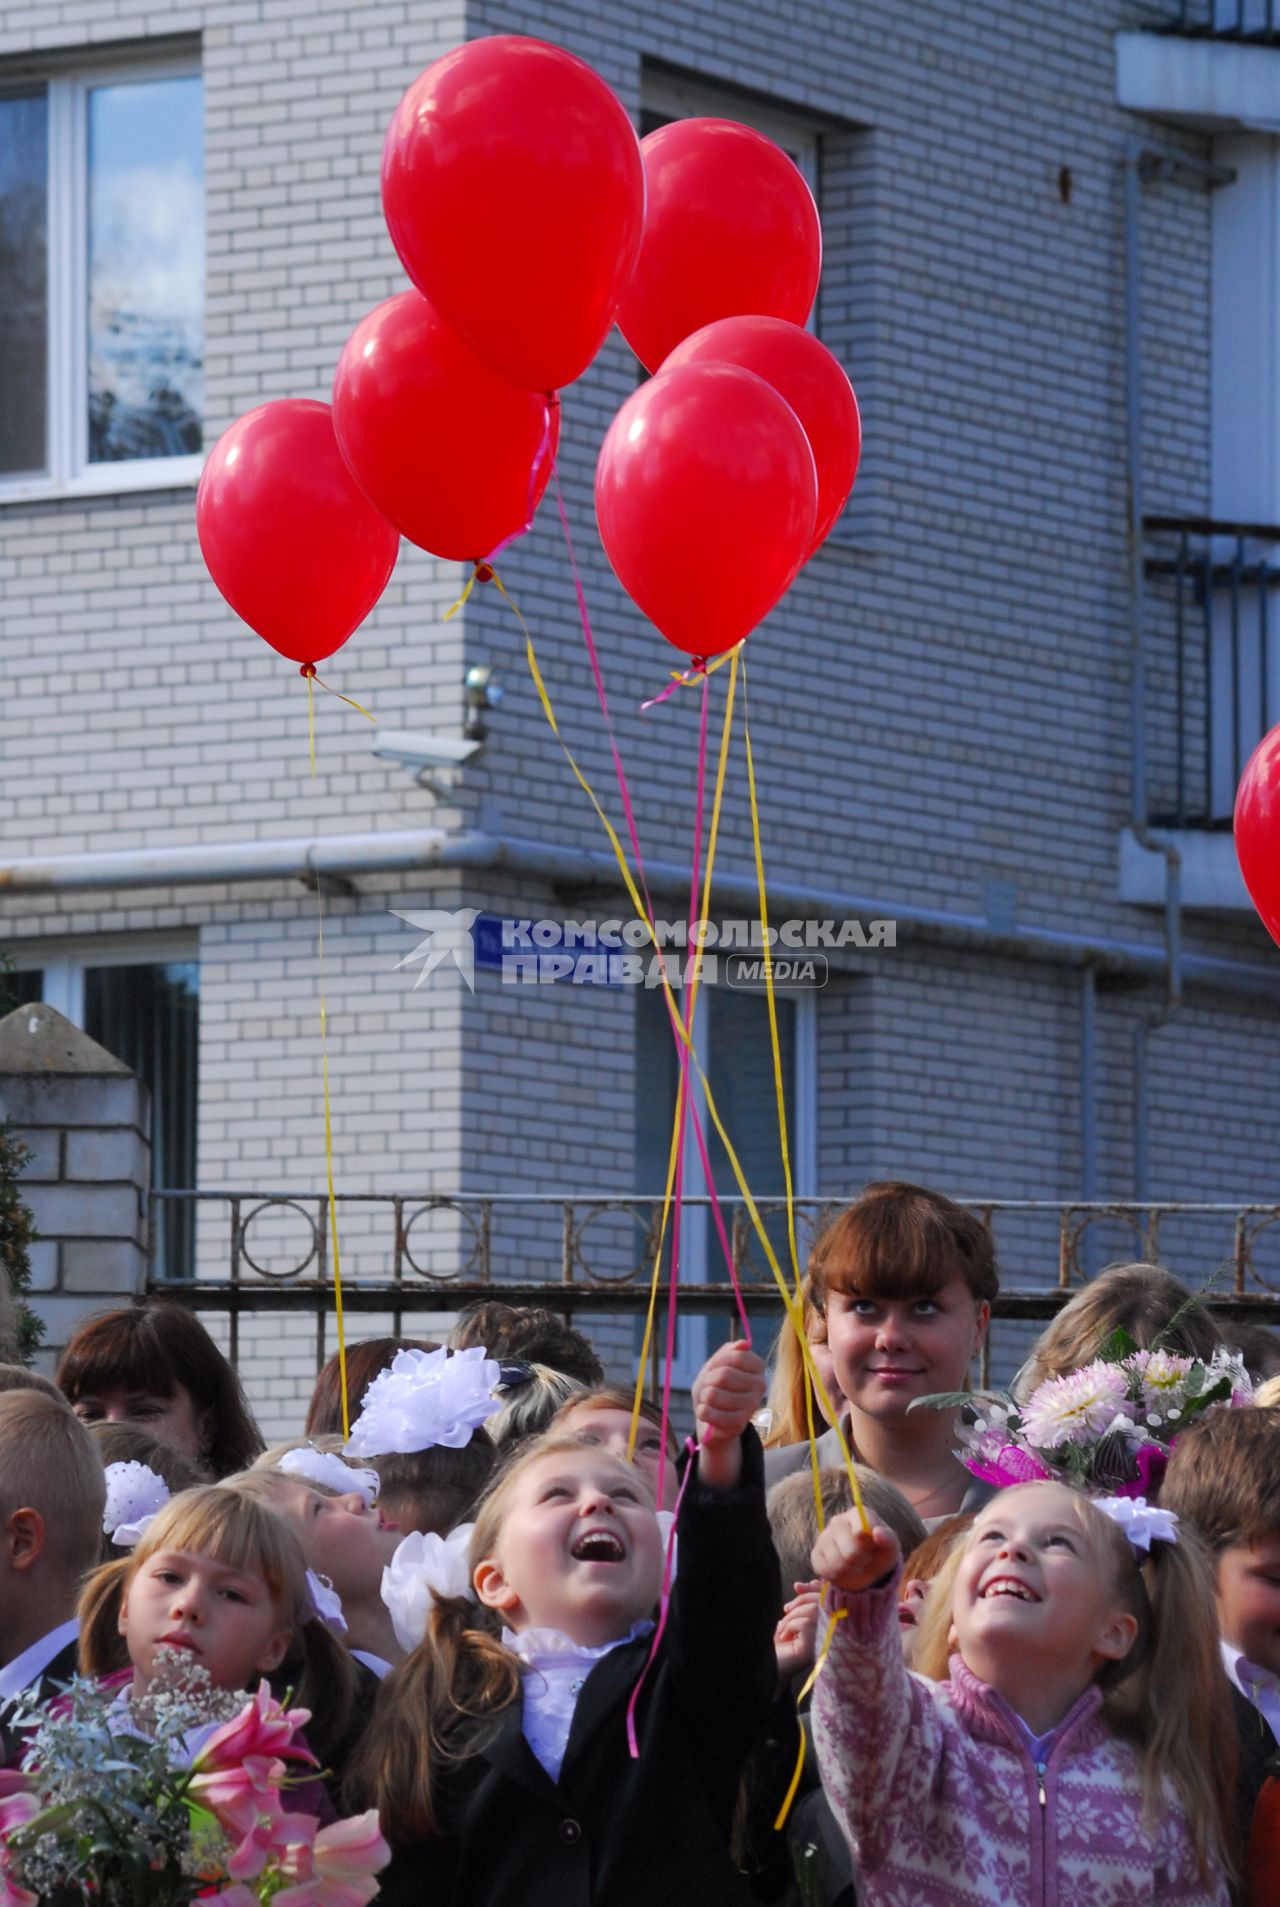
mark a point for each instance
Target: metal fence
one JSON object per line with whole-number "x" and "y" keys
{"x": 269, "y": 1252}
{"x": 1213, "y": 648}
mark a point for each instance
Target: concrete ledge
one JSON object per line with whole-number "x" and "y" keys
{"x": 1210, "y": 85}
{"x": 1211, "y": 877}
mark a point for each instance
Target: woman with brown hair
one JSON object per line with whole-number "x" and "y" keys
{"x": 156, "y": 1366}
{"x": 904, "y": 1279}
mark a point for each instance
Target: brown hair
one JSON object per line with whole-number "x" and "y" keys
{"x": 366, "y": 1359}
{"x": 530, "y": 1333}
{"x": 1258, "y": 1345}
{"x": 427, "y": 1490}
{"x": 793, "y": 1514}
{"x": 237, "y": 1530}
{"x": 16, "y": 1377}
{"x": 1169, "y": 1695}
{"x": 439, "y": 1706}
{"x": 1145, "y": 1300}
{"x": 154, "y": 1348}
{"x": 51, "y": 1465}
{"x": 902, "y": 1241}
{"x": 616, "y": 1397}
{"x": 925, "y": 1561}
{"x": 1224, "y": 1477}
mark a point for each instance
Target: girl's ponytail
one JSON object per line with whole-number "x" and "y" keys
{"x": 102, "y": 1647}
{"x": 322, "y": 1676}
{"x": 1170, "y": 1696}
{"x": 431, "y": 1711}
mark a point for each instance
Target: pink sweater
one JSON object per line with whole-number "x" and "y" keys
{"x": 943, "y": 1806}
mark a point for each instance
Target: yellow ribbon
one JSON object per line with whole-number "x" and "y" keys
{"x": 810, "y": 1679}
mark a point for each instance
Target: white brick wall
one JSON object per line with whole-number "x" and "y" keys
{"x": 942, "y": 702}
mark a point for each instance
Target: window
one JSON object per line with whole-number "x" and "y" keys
{"x": 101, "y": 281}
{"x": 731, "y": 1033}
{"x": 142, "y": 1003}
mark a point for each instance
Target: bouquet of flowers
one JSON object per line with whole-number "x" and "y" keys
{"x": 179, "y": 1804}
{"x": 1107, "y": 1427}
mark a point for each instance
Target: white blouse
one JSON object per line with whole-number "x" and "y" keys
{"x": 555, "y": 1669}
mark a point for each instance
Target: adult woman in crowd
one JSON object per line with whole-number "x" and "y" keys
{"x": 156, "y": 1366}
{"x": 904, "y": 1279}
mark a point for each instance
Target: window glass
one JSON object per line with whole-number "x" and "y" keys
{"x": 19, "y": 987}
{"x": 24, "y": 281}
{"x": 145, "y": 269}
{"x": 148, "y": 1017}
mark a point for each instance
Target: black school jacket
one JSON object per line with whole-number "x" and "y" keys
{"x": 51, "y": 1681}
{"x": 613, "y": 1832}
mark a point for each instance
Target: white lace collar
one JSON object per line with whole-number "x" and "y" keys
{"x": 553, "y": 1649}
{"x": 557, "y": 1669}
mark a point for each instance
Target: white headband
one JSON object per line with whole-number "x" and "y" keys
{"x": 135, "y": 1494}
{"x": 327, "y": 1467}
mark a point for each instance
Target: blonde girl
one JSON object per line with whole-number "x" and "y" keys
{"x": 499, "y": 1758}
{"x": 220, "y": 1578}
{"x": 1080, "y": 1748}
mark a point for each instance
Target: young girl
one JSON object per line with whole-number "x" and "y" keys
{"x": 498, "y": 1757}
{"x": 1077, "y": 1752}
{"x": 603, "y": 1416}
{"x": 222, "y": 1579}
{"x": 345, "y": 1540}
{"x": 904, "y": 1279}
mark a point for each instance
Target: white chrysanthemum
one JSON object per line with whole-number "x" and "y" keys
{"x": 1079, "y": 1408}
{"x": 134, "y": 1491}
{"x": 1162, "y": 1378}
{"x": 423, "y": 1399}
{"x": 422, "y": 1564}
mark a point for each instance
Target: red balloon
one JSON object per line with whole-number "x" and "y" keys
{"x": 453, "y": 455}
{"x": 1257, "y": 830}
{"x": 801, "y": 369}
{"x": 289, "y": 537}
{"x": 513, "y": 190}
{"x": 706, "y": 495}
{"x": 730, "y": 229}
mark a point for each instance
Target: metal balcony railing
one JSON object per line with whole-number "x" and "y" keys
{"x": 1213, "y": 661}
{"x": 1255, "y": 22}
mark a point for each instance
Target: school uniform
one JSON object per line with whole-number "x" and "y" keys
{"x": 611, "y": 1831}
{"x": 34, "y": 1677}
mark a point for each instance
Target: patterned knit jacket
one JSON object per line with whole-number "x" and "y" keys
{"x": 943, "y": 1806}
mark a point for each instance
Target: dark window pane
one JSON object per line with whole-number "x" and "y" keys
{"x": 146, "y": 269}
{"x": 149, "y": 1018}
{"x": 19, "y": 987}
{"x": 24, "y": 287}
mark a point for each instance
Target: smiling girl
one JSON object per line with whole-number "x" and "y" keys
{"x": 904, "y": 1280}
{"x": 498, "y": 1757}
{"x": 1077, "y": 1752}
{"x": 220, "y": 1579}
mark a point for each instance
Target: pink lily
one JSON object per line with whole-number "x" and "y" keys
{"x": 240, "y": 1795}
{"x": 273, "y": 1838}
{"x": 261, "y": 1728}
{"x": 344, "y": 1860}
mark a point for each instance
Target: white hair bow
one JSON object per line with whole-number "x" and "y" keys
{"x": 425, "y": 1398}
{"x": 1142, "y": 1522}
{"x": 424, "y": 1565}
{"x": 326, "y": 1602}
{"x": 135, "y": 1495}
{"x": 326, "y": 1467}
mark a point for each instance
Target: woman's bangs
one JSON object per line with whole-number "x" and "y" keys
{"x": 117, "y": 1356}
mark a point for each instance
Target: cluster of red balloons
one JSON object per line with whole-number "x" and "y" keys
{"x": 530, "y": 219}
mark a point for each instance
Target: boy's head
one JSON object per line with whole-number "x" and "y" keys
{"x": 530, "y": 1334}
{"x": 52, "y": 1493}
{"x": 1224, "y": 1479}
{"x": 793, "y": 1518}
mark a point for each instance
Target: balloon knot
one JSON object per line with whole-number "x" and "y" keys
{"x": 699, "y": 665}
{"x": 308, "y": 668}
{"x": 484, "y": 572}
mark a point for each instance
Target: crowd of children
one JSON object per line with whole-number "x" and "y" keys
{"x": 810, "y": 1657}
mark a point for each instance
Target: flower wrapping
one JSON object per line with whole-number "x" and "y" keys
{"x": 424, "y": 1399}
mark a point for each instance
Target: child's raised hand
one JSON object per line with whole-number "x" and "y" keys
{"x": 727, "y": 1393}
{"x": 853, "y": 1558}
{"x": 795, "y": 1640}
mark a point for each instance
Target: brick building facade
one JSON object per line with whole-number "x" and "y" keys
{"x": 941, "y": 708}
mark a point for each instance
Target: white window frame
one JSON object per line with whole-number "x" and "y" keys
{"x": 699, "y": 1243}
{"x": 63, "y": 984}
{"x": 68, "y": 472}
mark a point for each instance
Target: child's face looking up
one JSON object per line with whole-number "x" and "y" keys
{"x": 1249, "y": 1600}
{"x": 579, "y": 1550}
{"x": 225, "y": 1619}
{"x": 341, "y": 1538}
{"x": 1034, "y": 1595}
{"x": 610, "y": 1427}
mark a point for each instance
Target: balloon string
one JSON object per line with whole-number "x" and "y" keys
{"x": 685, "y": 678}
{"x": 664, "y": 1605}
{"x": 308, "y": 670}
{"x": 810, "y": 1679}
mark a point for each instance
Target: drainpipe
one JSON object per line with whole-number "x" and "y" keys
{"x": 1140, "y": 165}
{"x": 1088, "y": 1103}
